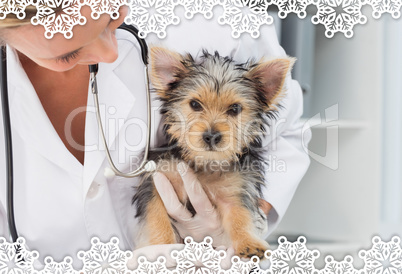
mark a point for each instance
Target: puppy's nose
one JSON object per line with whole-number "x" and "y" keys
{"x": 212, "y": 138}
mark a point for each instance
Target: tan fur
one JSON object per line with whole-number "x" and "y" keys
{"x": 286, "y": 65}
{"x": 157, "y": 222}
{"x": 219, "y": 187}
{"x": 238, "y": 222}
{"x": 173, "y": 58}
{"x": 214, "y": 117}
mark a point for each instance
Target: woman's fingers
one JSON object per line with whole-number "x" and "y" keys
{"x": 173, "y": 206}
{"x": 195, "y": 192}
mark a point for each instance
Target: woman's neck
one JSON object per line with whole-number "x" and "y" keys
{"x": 62, "y": 94}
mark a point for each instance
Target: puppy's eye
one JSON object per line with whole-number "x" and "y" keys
{"x": 234, "y": 110}
{"x": 195, "y": 105}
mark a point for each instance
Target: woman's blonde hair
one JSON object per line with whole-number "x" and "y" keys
{"x": 12, "y": 21}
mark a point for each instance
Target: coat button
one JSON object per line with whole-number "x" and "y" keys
{"x": 93, "y": 190}
{"x": 109, "y": 173}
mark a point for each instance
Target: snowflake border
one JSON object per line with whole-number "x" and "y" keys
{"x": 154, "y": 16}
{"x": 200, "y": 257}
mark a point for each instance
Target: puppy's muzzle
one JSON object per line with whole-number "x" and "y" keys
{"x": 212, "y": 138}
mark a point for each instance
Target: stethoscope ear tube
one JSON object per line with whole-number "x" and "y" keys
{"x": 144, "y": 48}
{"x": 8, "y": 145}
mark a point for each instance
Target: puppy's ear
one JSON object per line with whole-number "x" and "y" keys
{"x": 270, "y": 77}
{"x": 166, "y": 65}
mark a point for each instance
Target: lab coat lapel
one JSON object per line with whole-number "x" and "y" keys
{"x": 31, "y": 122}
{"x": 116, "y": 101}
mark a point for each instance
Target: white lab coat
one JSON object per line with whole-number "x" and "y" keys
{"x": 60, "y": 204}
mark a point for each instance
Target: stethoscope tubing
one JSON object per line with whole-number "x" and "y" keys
{"x": 8, "y": 145}
{"x": 145, "y": 165}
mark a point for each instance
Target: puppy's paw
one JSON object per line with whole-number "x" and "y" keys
{"x": 251, "y": 247}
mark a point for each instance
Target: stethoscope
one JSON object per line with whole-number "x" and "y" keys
{"x": 145, "y": 165}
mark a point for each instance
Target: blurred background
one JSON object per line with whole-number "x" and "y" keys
{"x": 353, "y": 100}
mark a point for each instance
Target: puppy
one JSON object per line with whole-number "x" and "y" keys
{"x": 215, "y": 117}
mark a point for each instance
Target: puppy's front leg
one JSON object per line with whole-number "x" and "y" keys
{"x": 158, "y": 224}
{"x": 237, "y": 221}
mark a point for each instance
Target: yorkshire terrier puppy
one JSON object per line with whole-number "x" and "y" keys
{"x": 215, "y": 117}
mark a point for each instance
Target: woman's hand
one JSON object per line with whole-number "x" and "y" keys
{"x": 205, "y": 222}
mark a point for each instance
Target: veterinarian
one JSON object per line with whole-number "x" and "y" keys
{"x": 65, "y": 192}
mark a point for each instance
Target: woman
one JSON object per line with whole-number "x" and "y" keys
{"x": 65, "y": 193}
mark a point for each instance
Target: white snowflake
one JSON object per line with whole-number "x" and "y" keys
{"x": 58, "y": 16}
{"x": 52, "y": 267}
{"x": 16, "y": 7}
{"x": 199, "y": 6}
{"x": 296, "y": 6}
{"x": 146, "y": 267}
{"x": 110, "y": 7}
{"x": 198, "y": 258}
{"x": 383, "y": 258}
{"x": 105, "y": 258}
{"x": 244, "y": 267}
{"x": 334, "y": 267}
{"x": 338, "y": 16}
{"x": 152, "y": 16}
{"x": 15, "y": 258}
{"x": 292, "y": 258}
{"x": 381, "y": 6}
{"x": 245, "y": 16}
